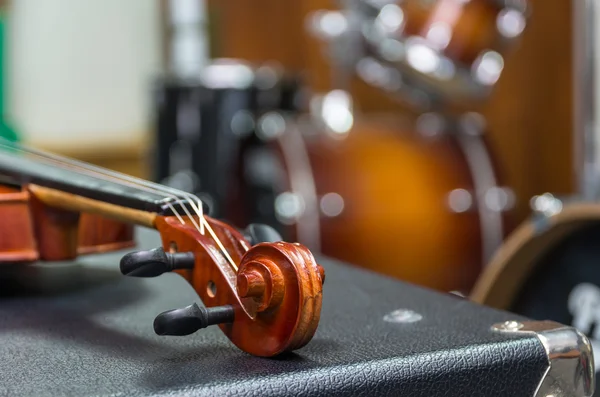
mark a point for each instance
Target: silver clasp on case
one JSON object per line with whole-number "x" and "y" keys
{"x": 570, "y": 371}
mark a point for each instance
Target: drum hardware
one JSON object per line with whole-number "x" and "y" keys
{"x": 334, "y": 112}
{"x": 289, "y": 207}
{"x": 391, "y": 81}
{"x": 460, "y": 200}
{"x": 447, "y": 50}
{"x": 331, "y": 204}
{"x": 431, "y": 125}
{"x": 546, "y": 204}
{"x": 341, "y": 31}
{"x": 243, "y": 123}
{"x": 270, "y": 126}
{"x": 585, "y": 99}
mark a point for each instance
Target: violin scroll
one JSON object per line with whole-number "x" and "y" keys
{"x": 266, "y": 299}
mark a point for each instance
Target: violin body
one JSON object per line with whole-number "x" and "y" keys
{"x": 99, "y": 234}
{"x": 16, "y": 215}
{"x": 265, "y": 294}
{"x": 50, "y": 234}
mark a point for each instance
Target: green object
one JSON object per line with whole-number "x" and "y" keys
{"x": 6, "y": 130}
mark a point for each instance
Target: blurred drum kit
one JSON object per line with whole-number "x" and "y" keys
{"x": 417, "y": 198}
{"x": 380, "y": 190}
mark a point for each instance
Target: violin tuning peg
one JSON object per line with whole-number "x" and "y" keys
{"x": 187, "y": 320}
{"x": 155, "y": 262}
{"x": 260, "y": 233}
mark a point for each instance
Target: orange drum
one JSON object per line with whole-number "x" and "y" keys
{"x": 422, "y": 202}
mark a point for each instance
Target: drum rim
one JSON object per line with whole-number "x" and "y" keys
{"x": 489, "y": 289}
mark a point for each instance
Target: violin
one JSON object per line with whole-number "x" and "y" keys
{"x": 264, "y": 294}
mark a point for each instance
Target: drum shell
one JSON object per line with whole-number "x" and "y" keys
{"x": 201, "y": 123}
{"x": 395, "y": 186}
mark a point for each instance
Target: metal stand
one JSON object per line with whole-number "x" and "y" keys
{"x": 586, "y": 156}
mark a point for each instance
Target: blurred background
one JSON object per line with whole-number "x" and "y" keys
{"x": 410, "y": 137}
{"x": 79, "y": 78}
{"x": 448, "y": 143}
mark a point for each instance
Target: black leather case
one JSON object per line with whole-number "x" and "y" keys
{"x": 84, "y": 330}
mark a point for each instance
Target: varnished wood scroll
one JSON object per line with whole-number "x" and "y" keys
{"x": 282, "y": 314}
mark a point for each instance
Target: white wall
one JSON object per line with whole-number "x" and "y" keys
{"x": 80, "y": 71}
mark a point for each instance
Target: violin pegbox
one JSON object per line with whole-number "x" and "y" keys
{"x": 266, "y": 299}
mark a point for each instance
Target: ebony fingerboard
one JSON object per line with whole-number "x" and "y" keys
{"x": 23, "y": 169}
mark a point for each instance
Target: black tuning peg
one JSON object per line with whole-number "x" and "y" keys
{"x": 155, "y": 262}
{"x": 261, "y": 233}
{"x": 191, "y": 318}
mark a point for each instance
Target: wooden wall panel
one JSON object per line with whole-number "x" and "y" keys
{"x": 258, "y": 30}
{"x": 530, "y": 112}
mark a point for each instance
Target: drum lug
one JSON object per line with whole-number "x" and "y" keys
{"x": 546, "y": 204}
{"x": 460, "y": 200}
{"x": 570, "y": 359}
{"x": 331, "y": 205}
{"x": 289, "y": 208}
{"x": 495, "y": 199}
{"x": 499, "y": 199}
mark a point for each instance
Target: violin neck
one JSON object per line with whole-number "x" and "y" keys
{"x": 71, "y": 178}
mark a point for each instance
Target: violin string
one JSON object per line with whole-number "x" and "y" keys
{"x": 89, "y": 171}
{"x": 159, "y": 188}
{"x": 137, "y": 182}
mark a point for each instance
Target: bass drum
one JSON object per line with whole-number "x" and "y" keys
{"x": 548, "y": 268}
{"x": 421, "y": 205}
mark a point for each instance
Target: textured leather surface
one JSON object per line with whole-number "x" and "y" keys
{"x": 50, "y": 174}
{"x": 85, "y": 330}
